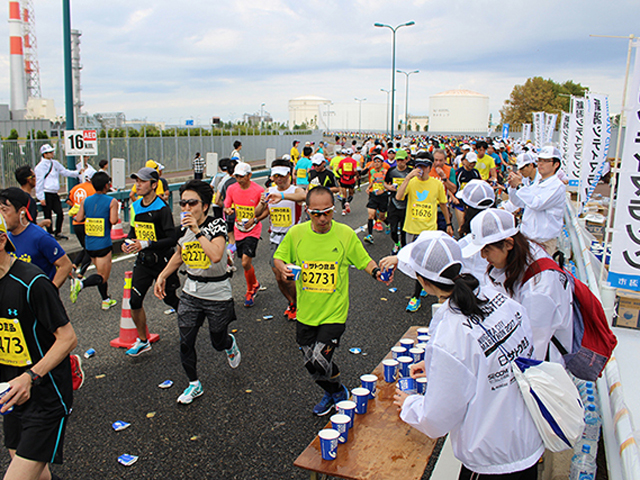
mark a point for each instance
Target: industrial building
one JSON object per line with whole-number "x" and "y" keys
{"x": 458, "y": 111}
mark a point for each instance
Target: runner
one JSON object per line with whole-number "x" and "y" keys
{"x": 26, "y": 178}
{"x": 347, "y": 171}
{"x": 485, "y": 165}
{"x": 378, "y": 197}
{"x": 284, "y": 210}
{"x": 397, "y": 208}
{"x": 359, "y": 158}
{"x": 243, "y": 199}
{"x": 464, "y": 175}
{"x": 152, "y": 236}
{"x": 207, "y": 289}
{"x": 303, "y": 167}
{"x": 39, "y": 372}
{"x": 77, "y": 195}
{"x": 99, "y": 212}
{"x": 320, "y": 176}
{"x": 235, "y": 154}
{"x": 324, "y": 249}
{"x": 228, "y": 166}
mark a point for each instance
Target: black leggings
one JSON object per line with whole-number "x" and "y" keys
{"x": 82, "y": 258}
{"x": 52, "y": 204}
{"x": 395, "y": 217}
{"x": 530, "y": 473}
{"x": 318, "y": 344}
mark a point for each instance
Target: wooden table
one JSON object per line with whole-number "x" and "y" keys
{"x": 380, "y": 446}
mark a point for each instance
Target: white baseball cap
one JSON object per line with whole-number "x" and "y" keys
{"x": 317, "y": 159}
{"x": 471, "y": 157}
{"x": 466, "y": 147}
{"x": 430, "y": 255}
{"x": 525, "y": 159}
{"x": 242, "y": 169}
{"x": 477, "y": 194}
{"x": 549, "y": 152}
{"x": 489, "y": 226}
{"x": 46, "y": 149}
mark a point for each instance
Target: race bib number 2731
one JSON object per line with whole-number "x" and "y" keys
{"x": 319, "y": 277}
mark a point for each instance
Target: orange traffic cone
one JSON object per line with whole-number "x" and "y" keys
{"x": 128, "y": 331}
{"x": 117, "y": 233}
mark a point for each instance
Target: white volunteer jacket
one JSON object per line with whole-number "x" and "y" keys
{"x": 548, "y": 298}
{"x": 475, "y": 264}
{"x": 471, "y": 392}
{"x": 50, "y": 183}
{"x": 543, "y": 202}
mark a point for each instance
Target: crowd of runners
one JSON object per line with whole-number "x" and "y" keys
{"x": 464, "y": 217}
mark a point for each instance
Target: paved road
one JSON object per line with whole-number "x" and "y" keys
{"x": 251, "y": 422}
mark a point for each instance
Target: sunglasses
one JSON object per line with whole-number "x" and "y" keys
{"x": 319, "y": 213}
{"x": 191, "y": 202}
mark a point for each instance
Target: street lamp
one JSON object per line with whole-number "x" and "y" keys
{"x": 387, "y": 124}
{"x": 360, "y": 100}
{"x": 261, "y": 115}
{"x": 406, "y": 99}
{"x": 393, "y": 64}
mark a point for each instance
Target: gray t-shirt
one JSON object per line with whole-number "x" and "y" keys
{"x": 396, "y": 177}
{"x": 199, "y": 265}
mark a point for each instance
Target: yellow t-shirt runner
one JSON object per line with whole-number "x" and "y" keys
{"x": 484, "y": 165}
{"x": 423, "y": 197}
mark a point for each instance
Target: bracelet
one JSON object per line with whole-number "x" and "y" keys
{"x": 282, "y": 195}
{"x": 449, "y": 225}
{"x": 374, "y": 272}
{"x": 199, "y": 234}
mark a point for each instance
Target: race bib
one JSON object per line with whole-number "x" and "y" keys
{"x": 347, "y": 167}
{"x": 280, "y": 216}
{"x": 146, "y": 231}
{"x": 302, "y": 173}
{"x": 94, "y": 227}
{"x": 319, "y": 277}
{"x": 194, "y": 257}
{"x": 13, "y": 347}
{"x": 422, "y": 211}
{"x": 243, "y": 211}
{"x": 398, "y": 181}
{"x": 377, "y": 187}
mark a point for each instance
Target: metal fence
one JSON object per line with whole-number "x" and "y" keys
{"x": 174, "y": 152}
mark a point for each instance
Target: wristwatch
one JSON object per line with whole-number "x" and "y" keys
{"x": 374, "y": 272}
{"x": 199, "y": 234}
{"x": 35, "y": 378}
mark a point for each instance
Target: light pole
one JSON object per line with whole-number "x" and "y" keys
{"x": 393, "y": 63}
{"x": 261, "y": 114}
{"x": 360, "y": 100}
{"x": 387, "y": 124}
{"x": 406, "y": 99}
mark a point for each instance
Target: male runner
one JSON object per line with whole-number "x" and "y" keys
{"x": 78, "y": 194}
{"x": 320, "y": 176}
{"x": 26, "y": 178}
{"x": 378, "y": 197}
{"x": 303, "y": 167}
{"x": 347, "y": 171}
{"x": 397, "y": 208}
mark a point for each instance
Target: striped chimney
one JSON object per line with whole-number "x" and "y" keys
{"x": 18, "y": 82}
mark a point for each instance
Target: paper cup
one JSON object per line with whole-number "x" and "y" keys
{"x": 368, "y": 381}
{"x": 361, "y": 397}
{"x": 398, "y": 352}
{"x": 423, "y": 346}
{"x": 423, "y": 331}
{"x": 421, "y": 384}
{"x": 423, "y": 338}
{"x": 340, "y": 423}
{"x": 390, "y": 370}
{"x": 405, "y": 363}
{"x": 329, "y": 443}
{"x": 348, "y": 408}
{"x": 407, "y": 343}
{"x": 417, "y": 354}
{"x": 296, "y": 270}
{"x": 408, "y": 385}
{"x": 4, "y": 388}
{"x": 385, "y": 275}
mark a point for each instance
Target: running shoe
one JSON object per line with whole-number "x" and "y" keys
{"x": 77, "y": 374}
{"x": 76, "y": 286}
{"x": 423, "y": 293}
{"x": 341, "y": 395}
{"x": 368, "y": 239}
{"x": 396, "y": 249}
{"x": 347, "y": 207}
{"x": 291, "y": 313}
{"x": 343, "y": 213}
{"x": 233, "y": 354}
{"x": 108, "y": 303}
{"x": 414, "y": 304}
{"x": 232, "y": 248}
{"x": 138, "y": 348}
{"x": 59, "y": 236}
{"x": 191, "y": 392}
{"x": 248, "y": 299}
{"x": 378, "y": 226}
{"x": 324, "y": 406}
{"x": 387, "y": 229}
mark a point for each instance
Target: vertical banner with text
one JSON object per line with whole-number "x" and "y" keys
{"x": 505, "y": 131}
{"x": 549, "y": 127}
{"x": 576, "y": 132}
{"x": 625, "y": 250}
{"x": 564, "y": 139}
{"x": 526, "y": 132}
{"x": 538, "y": 129}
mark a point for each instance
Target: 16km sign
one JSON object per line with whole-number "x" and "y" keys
{"x": 80, "y": 142}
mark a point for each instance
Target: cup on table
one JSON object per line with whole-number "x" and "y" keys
{"x": 329, "y": 443}
{"x": 390, "y": 370}
{"x": 407, "y": 343}
{"x": 340, "y": 423}
{"x": 423, "y": 346}
{"x": 398, "y": 352}
{"x": 408, "y": 385}
{"x": 423, "y": 338}
{"x": 368, "y": 381}
{"x": 295, "y": 270}
{"x": 417, "y": 354}
{"x": 361, "y": 397}
{"x": 405, "y": 363}
{"x": 423, "y": 331}
{"x": 421, "y": 384}
{"x": 348, "y": 408}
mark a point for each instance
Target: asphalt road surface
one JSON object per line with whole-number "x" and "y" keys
{"x": 251, "y": 422}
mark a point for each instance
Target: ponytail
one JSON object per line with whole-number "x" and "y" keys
{"x": 463, "y": 296}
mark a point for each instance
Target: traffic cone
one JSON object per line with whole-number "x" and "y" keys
{"x": 117, "y": 233}
{"x": 128, "y": 331}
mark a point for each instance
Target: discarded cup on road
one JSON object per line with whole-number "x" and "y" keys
{"x": 361, "y": 397}
{"x": 398, "y": 352}
{"x": 368, "y": 381}
{"x": 421, "y": 384}
{"x": 408, "y": 385}
{"x": 417, "y": 354}
{"x": 340, "y": 423}
{"x": 348, "y": 408}
{"x": 407, "y": 343}
{"x": 120, "y": 425}
{"x": 89, "y": 353}
{"x": 127, "y": 460}
{"x": 295, "y": 270}
{"x": 405, "y": 363}
{"x": 390, "y": 370}
{"x": 329, "y": 443}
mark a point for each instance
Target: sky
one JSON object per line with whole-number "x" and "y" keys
{"x": 172, "y": 61}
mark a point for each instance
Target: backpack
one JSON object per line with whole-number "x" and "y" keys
{"x": 593, "y": 340}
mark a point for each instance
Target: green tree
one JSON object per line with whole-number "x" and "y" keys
{"x": 42, "y": 135}
{"x": 13, "y": 134}
{"x": 538, "y": 95}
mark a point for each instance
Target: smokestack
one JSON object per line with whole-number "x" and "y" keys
{"x": 18, "y": 83}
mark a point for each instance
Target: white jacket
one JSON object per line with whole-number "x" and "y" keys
{"x": 548, "y": 298}
{"x": 475, "y": 264}
{"x": 471, "y": 391}
{"x": 543, "y": 202}
{"x": 48, "y": 176}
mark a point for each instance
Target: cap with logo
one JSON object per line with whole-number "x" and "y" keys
{"x": 550, "y": 152}
{"x": 242, "y": 169}
{"x": 524, "y": 159}
{"x": 489, "y": 226}
{"x": 431, "y": 254}
{"x": 46, "y": 149}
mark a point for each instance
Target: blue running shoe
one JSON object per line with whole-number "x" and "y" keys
{"x": 423, "y": 293}
{"x": 138, "y": 348}
{"x": 414, "y": 304}
{"x": 324, "y": 406}
{"x": 341, "y": 395}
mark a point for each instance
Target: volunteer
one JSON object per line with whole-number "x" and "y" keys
{"x": 471, "y": 392}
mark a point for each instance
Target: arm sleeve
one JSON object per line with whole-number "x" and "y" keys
{"x": 44, "y": 300}
{"x": 167, "y": 226}
{"x": 537, "y": 198}
{"x": 452, "y": 177}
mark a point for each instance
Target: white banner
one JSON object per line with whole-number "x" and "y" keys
{"x": 576, "y": 131}
{"x": 625, "y": 250}
{"x": 526, "y": 132}
{"x": 549, "y": 127}
{"x": 564, "y": 139}
{"x": 595, "y": 147}
{"x": 538, "y": 129}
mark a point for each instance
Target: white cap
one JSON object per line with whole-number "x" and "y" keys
{"x": 489, "y": 226}
{"x": 242, "y": 169}
{"x": 160, "y": 167}
{"x": 549, "y": 152}
{"x": 317, "y": 159}
{"x": 477, "y": 194}
{"x": 349, "y": 151}
{"x": 466, "y": 147}
{"x": 88, "y": 173}
{"x": 46, "y": 149}
{"x": 429, "y": 255}
{"x": 525, "y": 159}
{"x": 280, "y": 170}
{"x": 286, "y": 156}
{"x": 471, "y": 157}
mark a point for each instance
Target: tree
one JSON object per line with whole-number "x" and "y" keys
{"x": 538, "y": 95}
{"x": 13, "y": 134}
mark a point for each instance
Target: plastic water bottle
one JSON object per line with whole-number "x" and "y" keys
{"x": 583, "y": 465}
{"x": 592, "y": 423}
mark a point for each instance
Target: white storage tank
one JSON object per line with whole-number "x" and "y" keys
{"x": 458, "y": 111}
{"x": 305, "y": 110}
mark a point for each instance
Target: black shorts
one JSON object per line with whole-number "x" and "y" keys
{"x": 247, "y": 246}
{"x": 35, "y": 438}
{"x": 378, "y": 202}
{"x": 103, "y": 252}
{"x": 143, "y": 278}
{"x": 348, "y": 185}
{"x": 328, "y": 334}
